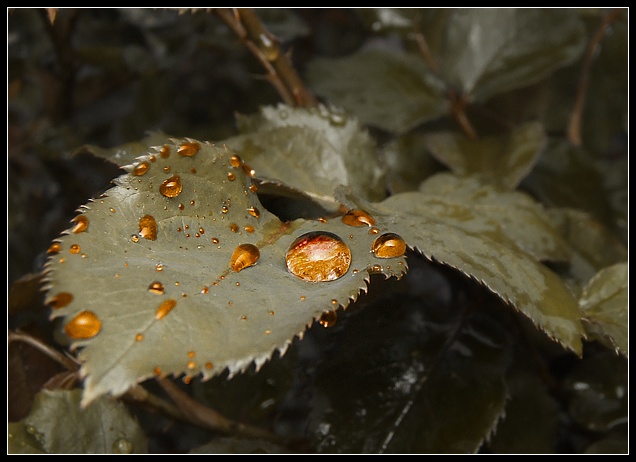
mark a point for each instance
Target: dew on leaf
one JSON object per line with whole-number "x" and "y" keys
{"x": 270, "y": 47}
{"x": 254, "y": 212}
{"x": 224, "y": 209}
{"x": 235, "y": 161}
{"x": 164, "y": 152}
{"x": 253, "y": 188}
{"x": 231, "y": 176}
{"x": 388, "y": 245}
{"x": 188, "y": 149}
{"x": 122, "y": 446}
{"x": 84, "y": 325}
{"x": 134, "y": 238}
{"x": 165, "y": 308}
{"x": 318, "y": 257}
{"x": 374, "y": 230}
{"x": 156, "y": 288}
{"x": 75, "y": 249}
{"x": 148, "y": 227}
{"x": 328, "y": 318}
{"x": 61, "y": 300}
{"x": 215, "y": 240}
{"x": 81, "y": 224}
{"x": 249, "y": 171}
{"x": 234, "y": 227}
{"x": 249, "y": 229}
{"x": 171, "y": 187}
{"x": 167, "y": 169}
{"x": 244, "y": 255}
{"x": 141, "y": 168}
{"x": 358, "y": 217}
{"x": 139, "y": 337}
{"x": 209, "y": 365}
{"x": 54, "y": 248}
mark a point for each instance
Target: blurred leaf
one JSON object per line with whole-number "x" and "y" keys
{"x": 487, "y": 51}
{"x": 237, "y": 445}
{"x": 604, "y": 302}
{"x": 392, "y": 91}
{"x": 612, "y": 444}
{"x": 156, "y": 278}
{"x": 20, "y": 440}
{"x": 104, "y": 427}
{"x": 501, "y": 160}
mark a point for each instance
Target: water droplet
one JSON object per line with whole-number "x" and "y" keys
{"x": 249, "y": 170}
{"x": 188, "y": 149}
{"x": 75, "y": 249}
{"x": 249, "y": 229}
{"x": 139, "y": 337}
{"x": 156, "y": 288}
{"x": 318, "y": 256}
{"x": 224, "y": 209}
{"x": 171, "y": 187}
{"x": 235, "y": 161}
{"x": 157, "y": 370}
{"x": 84, "y": 325}
{"x": 148, "y": 227}
{"x": 54, "y": 248}
{"x": 141, "y": 168}
{"x": 134, "y": 238}
{"x": 269, "y": 46}
{"x": 254, "y": 212}
{"x": 231, "y": 176}
{"x": 253, "y": 188}
{"x": 167, "y": 168}
{"x": 165, "y": 152}
{"x": 389, "y": 245}
{"x": 81, "y": 224}
{"x": 165, "y": 308}
{"x": 244, "y": 255}
{"x": 122, "y": 446}
{"x": 209, "y": 365}
{"x": 191, "y": 365}
{"x": 234, "y": 227}
{"x": 328, "y": 318}
{"x": 374, "y": 230}
{"x": 358, "y": 217}
{"x": 61, "y": 300}
{"x": 215, "y": 240}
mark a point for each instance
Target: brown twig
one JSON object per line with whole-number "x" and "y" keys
{"x": 70, "y": 364}
{"x": 266, "y": 48}
{"x": 458, "y": 110}
{"x": 576, "y": 116}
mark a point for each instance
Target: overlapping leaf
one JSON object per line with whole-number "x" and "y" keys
{"x": 147, "y": 280}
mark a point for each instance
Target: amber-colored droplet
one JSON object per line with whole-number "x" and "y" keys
{"x": 134, "y": 238}
{"x": 234, "y": 227}
{"x": 374, "y": 230}
{"x": 231, "y": 176}
{"x": 191, "y": 354}
{"x": 328, "y": 318}
{"x": 139, "y": 337}
{"x": 157, "y": 370}
{"x": 358, "y": 217}
{"x": 141, "y": 168}
{"x": 75, "y": 249}
{"x": 253, "y": 188}
{"x": 54, "y": 248}
{"x": 249, "y": 170}
{"x": 215, "y": 240}
{"x": 235, "y": 161}
{"x": 254, "y": 212}
{"x": 171, "y": 187}
{"x": 269, "y": 46}
{"x": 389, "y": 245}
{"x": 244, "y": 255}
{"x": 191, "y": 365}
{"x": 318, "y": 257}
{"x": 165, "y": 308}
{"x": 249, "y": 229}
{"x": 156, "y": 288}
{"x": 158, "y": 267}
{"x": 205, "y": 290}
{"x": 61, "y": 300}
{"x": 188, "y": 149}
{"x": 148, "y": 227}
{"x": 84, "y": 325}
{"x": 81, "y": 224}
{"x": 165, "y": 152}
{"x": 209, "y": 365}
{"x": 167, "y": 168}
{"x": 224, "y": 209}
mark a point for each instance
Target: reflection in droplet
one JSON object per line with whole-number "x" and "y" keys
{"x": 141, "y": 168}
{"x": 122, "y": 446}
{"x": 269, "y": 46}
{"x": 328, "y": 318}
{"x": 61, "y": 300}
{"x": 188, "y": 149}
{"x": 84, "y": 325}
{"x": 165, "y": 152}
{"x": 156, "y": 288}
{"x": 75, "y": 249}
{"x": 231, "y": 176}
{"x": 244, "y": 255}
{"x": 234, "y": 227}
{"x": 81, "y": 224}
{"x": 148, "y": 227}
{"x": 318, "y": 256}
{"x": 235, "y": 161}
{"x": 165, "y": 308}
{"x": 388, "y": 245}
{"x": 358, "y": 217}
{"x": 171, "y": 187}
{"x": 254, "y": 212}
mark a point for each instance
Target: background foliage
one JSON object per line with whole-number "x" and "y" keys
{"x": 482, "y": 104}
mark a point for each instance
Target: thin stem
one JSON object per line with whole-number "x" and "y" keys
{"x": 39, "y": 345}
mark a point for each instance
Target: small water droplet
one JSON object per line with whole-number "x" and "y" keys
{"x": 54, "y": 248}
{"x": 84, "y": 325}
{"x": 388, "y": 245}
{"x": 141, "y": 168}
{"x": 157, "y": 370}
{"x": 254, "y": 212}
{"x": 171, "y": 187}
{"x": 122, "y": 446}
{"x": 191, "y": 365}
{"x": 165, "y": 308}
{"x": 358, "y": 217}
{"x": 249, "y": 229}
{"x": 249, "y": 170}
{"x": 374, "y": 230}
{"x": 244, "y": 255}
{"x": 253, "y": 188}
{"x": 318, "y": 256}
{"x": 167, "y": 168}
{"x": 209, "y": 365}
{"x": 188, "y": 149}
{"x": 159, "y": 267}
{"x": 165, "y": 152}
{"x": 148, "y": 227}
{"x": 215, "y": 240}
{"x": 156, "y": 288}
{"x": 231, "y": 176}
{"x": 328, "y": 318}
{"x": 75, "y": 249}
{"x": 234, "y": 227}
{"x": 191, "y": 354}
{"x": 224, "y": 209}
{"x": 134, "y": 238}
{"x": 61, "y": 300}
{"x": 235, "y": 161}
{"x": 269, "y": 46}
{"x": 81, "y": 224}
{"x": 139, "y": 337}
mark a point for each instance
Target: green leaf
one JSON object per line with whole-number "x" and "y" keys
{"x": 312, "y": 150}
{"x": 155, "y": 283}
{"x": 62, "y": 427}
{"x": 21, "y": 440}
{"x": 487, "y": 51}
{"x": 501, "y": 160}
{"x": 392, "y": 91}
{"x": 605, "y": 305}
{"x": 523, "y": 220}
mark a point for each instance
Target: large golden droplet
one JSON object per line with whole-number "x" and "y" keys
{"x": 235, "y": 161}
{"x": 141, "y": 168}
{"x": 165, "y": 308}
{"x": 388, "y": 245}
{"x": 148, "y": 227}
{"x": 61, "y": 300}
{"x": 358, "y": 217}
{"x": 81, "y": 224}
{"x": 318, "y": 256}
{"x": 244, "y": 255}
{"x": 84, "y": 325}
{"x": 188, "y": 149}
{"x": 171, "y": 187}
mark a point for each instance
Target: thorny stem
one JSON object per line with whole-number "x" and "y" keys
{"x": 266, "y": 48}
{"x": 576, "y": 116}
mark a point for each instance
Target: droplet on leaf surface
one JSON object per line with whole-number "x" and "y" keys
{"x": 148, "y": 227}
{"x": 389, "y": 245}
{"x": 318, "y": 257}
{"x": 358, "y": 217}
{"x": 328, "y": 318}
{"x": 165, "y": 308}
{"x": 141, "y": 168}
{"x": 244, "y": 255}
{"x": 61, "y": 300}
{"x": 171, "y": 187}
{"x": 188, "y": 149}
{"x": 156, "y": 288}
{"x": 81, "y": 224}
{"x": 84, "y": 325}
